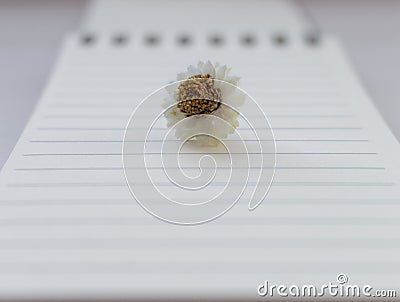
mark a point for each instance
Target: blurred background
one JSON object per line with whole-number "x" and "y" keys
{"x": 31, "y": 33}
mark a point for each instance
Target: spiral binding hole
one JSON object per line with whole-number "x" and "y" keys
{"x": 216, "y": 40}
{"x": 184, "y": 40}
{"x": 280, "y": 39}
{"x": 120, "y": 39}
{"x": 88, "y": 39}
{"x": 248, "y": 40}
{"x": 152, "y": 40}
{"x": 312, "y": 38}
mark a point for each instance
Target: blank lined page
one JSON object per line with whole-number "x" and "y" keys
{"x": 71, "y": 228}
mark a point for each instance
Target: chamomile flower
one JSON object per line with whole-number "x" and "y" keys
{"x": 203, "y": 91}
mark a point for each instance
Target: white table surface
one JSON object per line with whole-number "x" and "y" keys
{"x": 31, "y": 32}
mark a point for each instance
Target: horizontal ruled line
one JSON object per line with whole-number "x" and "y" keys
{"x": 197, "y": 153}
{"x": 133, "y": 104}
{"x": 134, "y": 93}
{"x": 74, "y": 116}
{"x": 273, "y": 201}
{"x": 226, "y": 140}
{"x": 235, "y": 221}
{"x": 122, "y": 129}
{"x": 248, "y": 268}
{"x": 199, "y": 242}
{"x": 283, "y": 184}
{"x": 203, "y": 168}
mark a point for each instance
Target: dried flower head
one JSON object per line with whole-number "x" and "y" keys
{"x": 198, "y": 95}
{"x": 205, "y": 89}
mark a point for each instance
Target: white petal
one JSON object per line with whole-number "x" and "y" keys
{"x": 237, "y": 99}
{"x": 171, "y": 89}
{"x": 209, "y": 69}
{"x": 181, "y": 76}
{"x": 221, "y": 73}
{"x": 226, "y": 91}
{"x": 191, "y": 71}
{"x": 233, "y": 80}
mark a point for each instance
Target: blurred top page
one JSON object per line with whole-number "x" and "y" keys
{"x": 203, "y": 15}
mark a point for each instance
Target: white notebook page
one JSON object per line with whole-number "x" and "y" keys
{"x": 70, "y": 227}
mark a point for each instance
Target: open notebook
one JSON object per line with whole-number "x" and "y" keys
{"x": 70, "y": 227}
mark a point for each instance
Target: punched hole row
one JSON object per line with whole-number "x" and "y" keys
{"x": 215, "y": 40}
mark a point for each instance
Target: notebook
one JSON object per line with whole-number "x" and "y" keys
{"x": 71, "y": 229}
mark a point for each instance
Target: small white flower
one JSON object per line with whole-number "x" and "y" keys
{"x": 204, "y": 90}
